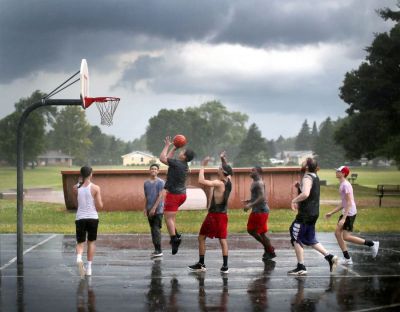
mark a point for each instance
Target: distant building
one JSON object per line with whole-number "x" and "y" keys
{"x": 55, "y": 158}
{"x": 138, "y": 158}
{"x": 295, "y": 157}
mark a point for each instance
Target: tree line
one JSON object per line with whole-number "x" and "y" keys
{"x": 370, "y": 129}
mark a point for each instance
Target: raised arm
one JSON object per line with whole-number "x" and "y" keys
{"x": 223, "y": 158}
{"x": 202, "y": 179}
{"x": 164, "y": 153}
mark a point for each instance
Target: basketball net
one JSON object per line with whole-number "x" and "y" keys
{"x": 106, "y": 107}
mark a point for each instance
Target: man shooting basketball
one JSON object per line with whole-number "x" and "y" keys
{"x": 176, "y": 187}
{"x": 216, "y": 221}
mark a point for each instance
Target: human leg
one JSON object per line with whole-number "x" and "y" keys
{"x": 200, "y": 266}
{"x": 155, "y": 226}
{"x": 224, "y": 247}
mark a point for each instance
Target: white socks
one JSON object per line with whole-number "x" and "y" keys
{"x": 78, "y": 258}
{"x": 89, "y": 265}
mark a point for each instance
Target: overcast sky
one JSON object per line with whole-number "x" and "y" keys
{"x": 278, "y": 61}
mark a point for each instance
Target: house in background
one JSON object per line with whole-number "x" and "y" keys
{"x": 137, "y": 158}
{"x": 54, "y": 158}
{"x": 295, "y": 157}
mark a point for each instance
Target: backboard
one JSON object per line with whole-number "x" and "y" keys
{"x": 84, "y": 83}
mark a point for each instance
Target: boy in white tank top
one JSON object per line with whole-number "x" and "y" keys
{"x": 86, "y": 220}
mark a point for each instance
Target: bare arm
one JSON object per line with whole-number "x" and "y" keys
{"x": 97, "y": 197}
{"x": 223, "y": 158}
{"x": 157, "y": 202}
{"x": 202, "y": 179}
{"x": 305, "y": 192}
{"x": 164, "y": 153}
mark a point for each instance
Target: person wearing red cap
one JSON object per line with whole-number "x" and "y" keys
{"x": 346, "y": 220}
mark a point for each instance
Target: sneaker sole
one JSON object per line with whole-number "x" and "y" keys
{"x": 334, "y": 263}
{"x": 197, "y": 270}
{"x": 156, "y": 256}
{"x": 224, "y": 272}
{"x": 377, "y": 250}
{"x": 299, "y": 273}
{"x": 81, "y": 269}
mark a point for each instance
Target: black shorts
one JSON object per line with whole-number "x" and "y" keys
{"x": 348, "y": 223}
{"x": 86, "y": 225}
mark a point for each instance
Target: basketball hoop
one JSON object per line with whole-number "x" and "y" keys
{"x": 106, "y": 107}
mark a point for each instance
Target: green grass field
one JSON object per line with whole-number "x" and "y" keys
{"x": 53, "y": 218}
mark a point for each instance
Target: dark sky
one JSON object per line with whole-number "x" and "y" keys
{"x": 278, "y": 61}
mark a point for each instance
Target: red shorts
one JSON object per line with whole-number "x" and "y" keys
{"x": 173, "y": 201}
{"x": 215, "y": 225}
{"x": 258, "y": 222}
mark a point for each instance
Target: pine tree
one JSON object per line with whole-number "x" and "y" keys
{"x": 253, "y": 150}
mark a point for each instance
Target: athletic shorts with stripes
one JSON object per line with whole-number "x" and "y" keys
{"x": 215, "y": 225}
{"x": 303, "y": 234}
{"x": 258, "y": 222}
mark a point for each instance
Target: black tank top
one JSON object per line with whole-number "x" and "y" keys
{"x": 309, "y": 208}
{"x": 223, "y": 206}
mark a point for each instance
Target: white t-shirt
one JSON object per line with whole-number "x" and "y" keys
{"x": 86, "y": 206}
{"x": 346, "y": 188}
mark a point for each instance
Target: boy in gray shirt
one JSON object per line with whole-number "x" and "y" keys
{"x": 154, "y": 208}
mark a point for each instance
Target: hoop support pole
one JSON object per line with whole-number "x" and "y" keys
{"x": 20, "y": 167}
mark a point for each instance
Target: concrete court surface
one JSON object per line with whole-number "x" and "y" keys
{"x": 126, "y": 279}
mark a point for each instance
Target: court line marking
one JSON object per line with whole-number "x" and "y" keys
{"x": 28, "y": 250}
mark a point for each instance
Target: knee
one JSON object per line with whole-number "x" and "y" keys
{"x": 251, "y": 232}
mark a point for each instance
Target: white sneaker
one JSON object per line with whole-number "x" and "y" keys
{"x": 346, "y": 261}
{"x": 374, "y": 249}
{"x": 81, "y": 268}
{"x": 89, "y": 272}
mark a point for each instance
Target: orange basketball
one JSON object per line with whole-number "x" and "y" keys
{"x": 179, "y": 140}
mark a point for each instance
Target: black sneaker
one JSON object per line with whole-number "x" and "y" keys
{"x": 299, "y": 270}
{"x": 224, "y": 269}
{"x": 268, "y": 256}
{"x": 333, "y": 261}
{"x": 175, "y": 245}
{"x": 198, "y": 267}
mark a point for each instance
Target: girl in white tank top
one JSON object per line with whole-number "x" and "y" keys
{"x": 86, "y": 205}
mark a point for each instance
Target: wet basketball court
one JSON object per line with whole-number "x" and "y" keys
{"x": 126, "y": 279}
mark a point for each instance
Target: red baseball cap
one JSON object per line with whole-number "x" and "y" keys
{"x": 344, "y": 169}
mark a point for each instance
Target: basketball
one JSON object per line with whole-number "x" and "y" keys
{"x": 179, "y": 140}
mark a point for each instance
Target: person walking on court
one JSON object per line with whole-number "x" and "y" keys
{"x": 257, "y": 224}
{"x": 215, "y": 225}
{"x": 87, "y": 219}
{"x": 154, "y": 208}
{"x": 302, "y": 230}
{"x": 346, "y": 220}
{"x": 176, "y": 187}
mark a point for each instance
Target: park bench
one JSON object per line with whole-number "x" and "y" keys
{"x": 387, "y": 190}
{"x": 353, "y": 178}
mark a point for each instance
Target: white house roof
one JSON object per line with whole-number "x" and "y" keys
{"x": 138, "y": 152}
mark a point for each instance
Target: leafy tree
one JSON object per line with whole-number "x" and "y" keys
{"x": 253, "y": 150}
{"x": 329, "y": 153}
{"x": 303, "y": 139}
{"x": 70, "y": 134}
{"x": 33, "y": 132}
{"x": 283, "y": 144}
{"x": 209, "y": 128}
{"x": 373, "y": 95}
